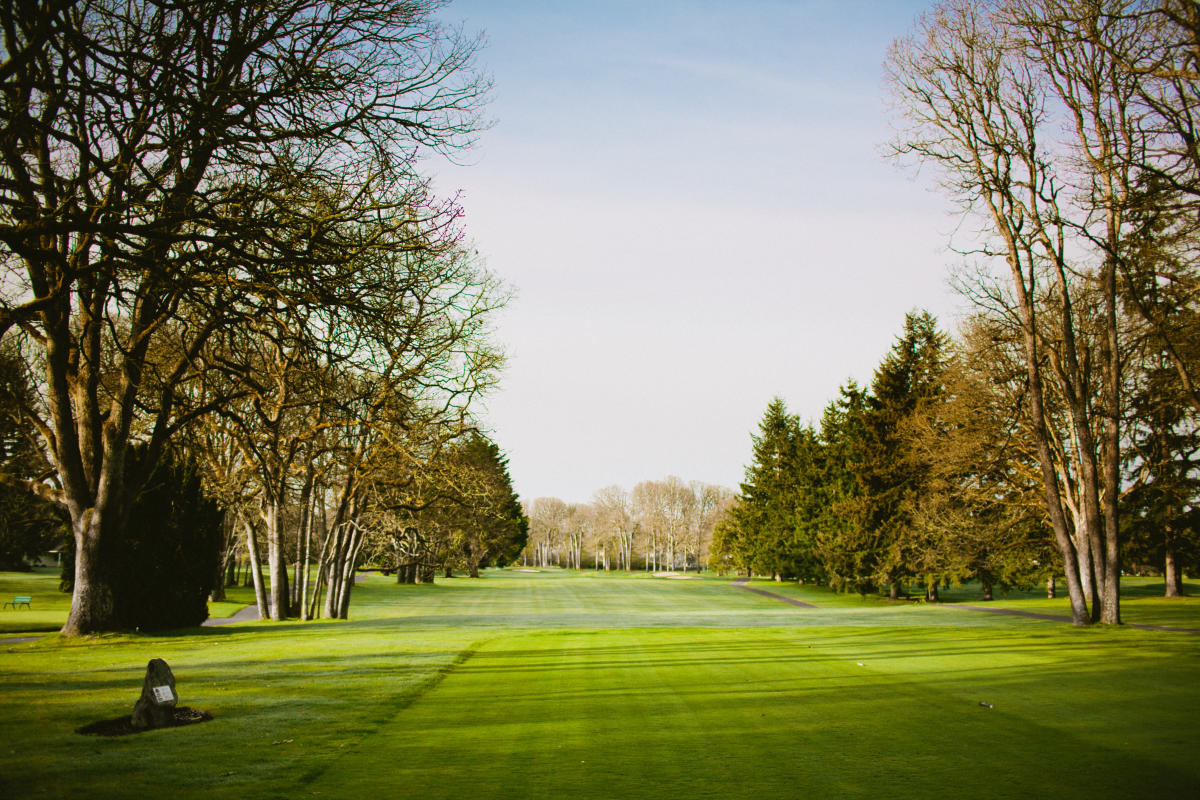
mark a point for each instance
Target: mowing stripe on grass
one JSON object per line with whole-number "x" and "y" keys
{"x": 651, "y": 713}
{"x": 416, "y": 693}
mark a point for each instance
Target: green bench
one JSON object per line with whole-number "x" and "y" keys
{"x": 20, "y": 600}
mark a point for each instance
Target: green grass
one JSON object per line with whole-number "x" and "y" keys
{"x": 236, "y": 598}
{"x": 47, "y": 611}
{"x": 1142, "y": 600}
{"x": 560, "y": 684}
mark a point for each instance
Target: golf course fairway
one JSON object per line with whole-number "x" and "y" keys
{"x": 576, "y": 685}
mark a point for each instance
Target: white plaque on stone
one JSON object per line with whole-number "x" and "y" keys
{"x": 163, "y": 694}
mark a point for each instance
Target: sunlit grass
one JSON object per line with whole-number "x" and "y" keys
{"x": 49, "y": 608}
{"x": 1142, "y": 600}
{"x": 819, "y": 712}
{"x": 582, "y": 685}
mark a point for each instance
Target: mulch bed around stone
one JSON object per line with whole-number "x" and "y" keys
{"x": 122, "y": 726}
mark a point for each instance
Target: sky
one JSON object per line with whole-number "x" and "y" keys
{"x": 693, "y": 206}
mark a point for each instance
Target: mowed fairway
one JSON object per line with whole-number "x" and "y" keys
{"x": 563, "y": 685}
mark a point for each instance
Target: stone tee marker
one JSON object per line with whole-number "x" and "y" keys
{"x": 156, "y": 707}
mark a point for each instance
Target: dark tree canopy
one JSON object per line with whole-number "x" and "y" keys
{"x": 163, "y": 562}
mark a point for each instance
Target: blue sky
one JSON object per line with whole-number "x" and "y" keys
{"x": 690, "y": 201}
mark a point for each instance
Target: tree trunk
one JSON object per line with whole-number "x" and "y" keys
{"x": 334, "y": 571}
{"x": 314, "y": 602}
{"x": 276, "y": 561}
{"x": 260, "y": 594}
{"x": 341, "y": 550}
{"x": 92, "y": 605}
{"x": 304, "y": 542}
{"x": 894, "y": 590}
{"x": 218, "y": 591}
{"x": 343, "y": 606}
{"x": 1110, "y": 445}
{"x": 1051, "y": 589}
{"x": 1087, "y": 575}
{"x": 931, "y": 593}
{"x": 305, "y": 565}
{"x": 1173, "y": 578}
{"x": 987, "y": 590}
{"x": 1037, "y": 413}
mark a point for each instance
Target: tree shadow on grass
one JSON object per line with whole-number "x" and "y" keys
{"x": 1156, "y": 590}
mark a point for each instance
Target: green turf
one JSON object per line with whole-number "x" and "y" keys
{"x": 560, "y": 684}
{"x": 47, "y": 611}
{"x": 1142, "y": 600}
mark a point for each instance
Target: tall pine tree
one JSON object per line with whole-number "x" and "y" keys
{"x": 762, "y": 524}
{"x": 910, "y": 377}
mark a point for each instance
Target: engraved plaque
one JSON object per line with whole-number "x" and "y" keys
{"x": 163, "y": 694}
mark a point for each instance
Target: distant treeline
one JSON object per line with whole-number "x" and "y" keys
{"x": 660, "y": 525}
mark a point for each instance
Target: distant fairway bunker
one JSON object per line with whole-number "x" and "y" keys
{"x": 676, "y": 576}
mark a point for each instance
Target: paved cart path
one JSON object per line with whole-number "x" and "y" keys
{"x": 791, "y": 601}
{"x": 248, "y": 613}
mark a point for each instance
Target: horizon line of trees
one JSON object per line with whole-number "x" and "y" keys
{"x": 658, "y": 526}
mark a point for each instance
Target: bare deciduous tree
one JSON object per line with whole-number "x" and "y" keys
{"x": 151, "y": 155}
{"x": 1043, "y": 122}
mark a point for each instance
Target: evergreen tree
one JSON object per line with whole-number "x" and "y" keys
{"x": 910, "y": 377}
{"x": 1160, "y": 515}
{"x": 479, "y": 508}
{"x": 843, "y": 435}
{"x": 762, "y": 525}
{"x": 163, "y": 563}
{"x": 809, "y": 506}
{"x": 729, "y": 551}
